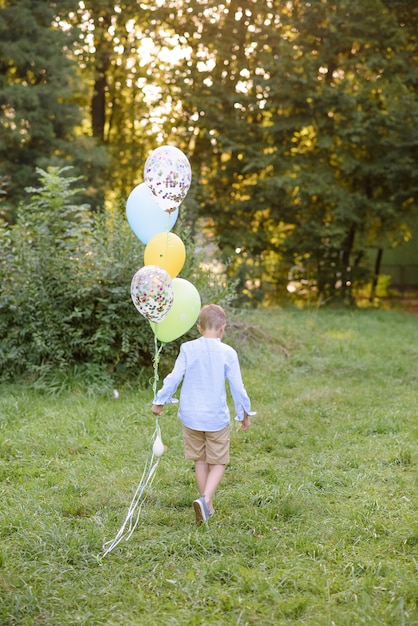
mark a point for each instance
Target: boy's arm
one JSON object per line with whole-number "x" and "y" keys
{"x": 239, "y": 393}
{"x": 157, "y": 409}
{"x": 245, "y": 424}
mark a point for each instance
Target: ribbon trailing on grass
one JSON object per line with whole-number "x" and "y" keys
{"x": 148, "y": 475}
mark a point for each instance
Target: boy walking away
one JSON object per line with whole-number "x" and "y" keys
{"x": 203, "y": 365}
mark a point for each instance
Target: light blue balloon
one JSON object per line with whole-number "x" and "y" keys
{"x": 144, "y": 215}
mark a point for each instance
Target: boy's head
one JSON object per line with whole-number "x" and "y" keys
{"x": 212, "y": 317}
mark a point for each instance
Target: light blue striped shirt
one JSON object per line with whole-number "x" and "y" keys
{"x": 203, "y": 365}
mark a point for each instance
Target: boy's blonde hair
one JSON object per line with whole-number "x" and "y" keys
{"x": 211, "y": 317}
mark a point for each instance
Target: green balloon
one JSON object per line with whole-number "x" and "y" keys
{"x": 183, "y": 313}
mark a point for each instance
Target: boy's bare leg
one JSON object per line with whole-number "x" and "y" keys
{"x": 208, "y": 478}
{"x": 216, "y": 473}
{"x": 202, "y": 473}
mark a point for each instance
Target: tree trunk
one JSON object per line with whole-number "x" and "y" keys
{"x": 377, "y": 265}
{"x": 98, "y": 114}
{"x": 102, "y": 64}
{"x": 346, "y": 271}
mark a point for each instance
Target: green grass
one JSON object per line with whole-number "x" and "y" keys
{"x": 316, "y": 518}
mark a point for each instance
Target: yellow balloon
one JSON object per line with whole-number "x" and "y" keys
{"x": 166, "y": 250}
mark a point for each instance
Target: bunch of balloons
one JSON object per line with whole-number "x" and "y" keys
{"x": 171, "y": 304}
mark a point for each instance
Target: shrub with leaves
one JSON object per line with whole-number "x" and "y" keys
{"x": 65, "y": 279}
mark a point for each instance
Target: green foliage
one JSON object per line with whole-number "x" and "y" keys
{"x": 299, "y": 119}
{"x": 305, "y": 133}
{"x": 65, "y": 290}
{"x": 41, "y": 96}
{"x": 315, "y": 519}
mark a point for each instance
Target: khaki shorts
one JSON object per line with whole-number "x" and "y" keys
{"x": 204, "y": 446}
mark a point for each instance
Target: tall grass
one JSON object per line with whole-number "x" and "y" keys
{"x": 316, "y": 519}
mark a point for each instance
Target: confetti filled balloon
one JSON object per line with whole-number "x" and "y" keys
{"x": 152, "y": 292}
{"x": 168, "y": 174}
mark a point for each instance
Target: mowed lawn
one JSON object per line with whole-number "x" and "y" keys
{"x": 316, "y": 519}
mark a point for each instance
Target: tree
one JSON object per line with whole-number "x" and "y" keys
{"x": 299, "y": 120}
{"x": 297, "y": 111}
{"x": 41, "y": 96}
{"x": 123, "y": 86}
{"x": 361, "y": 109}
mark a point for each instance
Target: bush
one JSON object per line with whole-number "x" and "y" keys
{"x": 65, "y": 288}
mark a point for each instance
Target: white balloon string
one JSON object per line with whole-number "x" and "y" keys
{"x": 148, "y": 475}
{"x": 132, "y": 517}
{"x": 156, "y": 362}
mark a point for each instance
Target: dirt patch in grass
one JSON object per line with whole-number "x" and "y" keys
{"x": 248, "y": 335}
{"x": 410, "y": 305}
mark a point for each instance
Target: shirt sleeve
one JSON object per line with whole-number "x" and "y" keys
{"x": 239, "y": 394}
{"x": 172, "y": 381}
